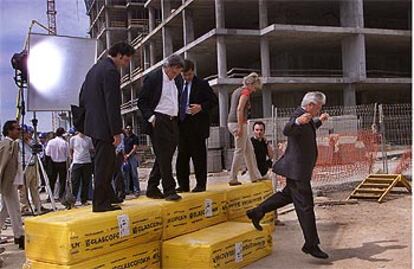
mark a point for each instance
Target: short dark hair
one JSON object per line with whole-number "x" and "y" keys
{"x": 60, "y": 131}
{"x": 122, "y": 48}
{"x": 259, "y": 123}
{"x": 188, "y": 65}
{"x": 8, "y": 126}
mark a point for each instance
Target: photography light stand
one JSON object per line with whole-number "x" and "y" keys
{"x": 19, "y": 63}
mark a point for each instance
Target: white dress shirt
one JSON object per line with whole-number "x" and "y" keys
{"x": 58, "y": 149}
{"x": 168, "y": 103}
{"x": 189, "y": 84}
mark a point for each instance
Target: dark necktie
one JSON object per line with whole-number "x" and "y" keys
{"x": 183, "y": 102}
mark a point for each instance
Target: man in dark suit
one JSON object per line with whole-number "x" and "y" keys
{"x": 101, "y": 98}
{"x": 158, "y": 101}
{"x": 196, "y": 98}
{"x": 297, "y": 165}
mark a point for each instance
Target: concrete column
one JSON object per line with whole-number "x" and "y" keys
{"x": 352, "y": 13}
{"x": 152, "y": 52}
{"x": 219, "y": 10}
{"x": 267, "y": 101}
{"x": 188, "y": 26}
{"x": 223, "y": 96}
{"x": 107, "y": 33}
{"x": 265, "y": 57}
{"x": 349, "y": 95}
{"x": 151, "y": 18}
{"x": 263, "y": 17}
{"x": 353, "y": 58}
{"x": 221, "y": 57}
{"x": 147, "y": 57}
{"x": 167, "y": 44}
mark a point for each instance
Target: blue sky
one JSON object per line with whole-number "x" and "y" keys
{"x": 15, "y": 19}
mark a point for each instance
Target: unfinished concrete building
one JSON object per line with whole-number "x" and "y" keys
{"x": 356, "y": 51}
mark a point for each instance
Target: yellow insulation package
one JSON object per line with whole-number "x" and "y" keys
{"x": 227, "y": 245}
{"x": 145, "y": 255}
{"x": 194, "y": 212}
{"x": 243, "y": 197}
{"x": 68, "y": 237}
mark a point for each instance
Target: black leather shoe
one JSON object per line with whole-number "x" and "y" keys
{"x": 155, "y": 195}
{"x": 106, "y": 208}
{"x": 180, "y": 190}
{"x": 198, "y": 189}
{"x": 315, "y": 251}
{"x": 255, "y": 215}
{"x": 19, "y": 241}
{"x": 173, "y": 197}
{"x": 117, "y": 200}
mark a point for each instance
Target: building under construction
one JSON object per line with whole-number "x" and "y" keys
{"x": 356, "y": 51}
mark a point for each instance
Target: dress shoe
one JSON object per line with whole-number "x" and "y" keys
{"x": 106, "y": 208}
{"x": 117, "y": 200}
{"x": 315, "y": 251}
{"x": 19, "y": 241}
{"x": 137, "y": 194}
{"x": 155, "y": 194}
{"x": 198, "y": 189}
{"x": 173, "y": 197}
{"x": 180, "y": 190}
{"x": 255, "y": 215}
{"x": 234, "y": 183}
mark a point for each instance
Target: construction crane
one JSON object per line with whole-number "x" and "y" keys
{"x": 51, "y": 23}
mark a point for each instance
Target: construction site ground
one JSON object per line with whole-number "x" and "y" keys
{"x": 362, "y": 235}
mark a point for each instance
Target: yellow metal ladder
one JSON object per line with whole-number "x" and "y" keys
{"x": 377, "y": 186}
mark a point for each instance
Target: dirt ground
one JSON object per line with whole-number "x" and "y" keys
{"x": 364, "y": 235}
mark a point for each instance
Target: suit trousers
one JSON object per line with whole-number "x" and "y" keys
{"x": 10, "y": 207}
{"x": 58, "y": 169}
{"x": 243, "y": 149}
{"x": 32, "y": 185}
{"x": 104, "y": 169}
{"x": 164, "y": 141}
{"x": 191, "y": 145}
{"x": 298, "y": 192}
{"x": 81, "y": 177}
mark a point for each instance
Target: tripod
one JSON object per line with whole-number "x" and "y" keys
{"x": 36, "y": 149}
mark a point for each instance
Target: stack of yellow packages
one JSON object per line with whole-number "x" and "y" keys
{"x": 227, "y": 245}
{"x": 80, "y": 238}
{"x": 195, "y": 211}
{"x": 244, "y": 197}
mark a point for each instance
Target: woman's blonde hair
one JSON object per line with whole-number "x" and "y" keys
{"x": 252, "y": 79}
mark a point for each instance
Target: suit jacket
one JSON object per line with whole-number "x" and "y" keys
{"x": 149, "y": 97}
{"x": 201, "y": 93}
{"x": 301, "y": 153}
{"x": 9, "y": 152}
{"x": 101, "y": 98}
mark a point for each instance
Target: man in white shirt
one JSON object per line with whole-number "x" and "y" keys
{"x": 158, "y": 102}
{"x": 11, "y": 178}
{"x": 81, "y": 148}
{"x": 58, "y": 151}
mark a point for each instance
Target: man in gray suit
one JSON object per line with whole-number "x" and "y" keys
{"x": 297, "y": 165}
{"x": 101, "y": 98}
{"x": 11, "y": 176}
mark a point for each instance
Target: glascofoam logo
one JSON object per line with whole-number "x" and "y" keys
{"x": 102, "y": 239}
{"x": 133, "y": 264}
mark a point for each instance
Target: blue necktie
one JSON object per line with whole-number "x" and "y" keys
{"x": 183, "y": 102}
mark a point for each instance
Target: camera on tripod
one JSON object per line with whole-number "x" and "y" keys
{"x": 37, "y": 148}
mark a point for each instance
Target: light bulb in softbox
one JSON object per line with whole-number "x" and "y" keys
{"x": 45, "y": 66}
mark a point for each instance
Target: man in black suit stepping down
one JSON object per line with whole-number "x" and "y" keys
{"x": 196, "y": 99}
{"x": 297, "y": 165}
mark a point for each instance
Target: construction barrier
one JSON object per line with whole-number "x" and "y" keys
{"x": 141, "y": 256}
{"x": 227, "y": 245}
{"x": 69, "y": 237}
